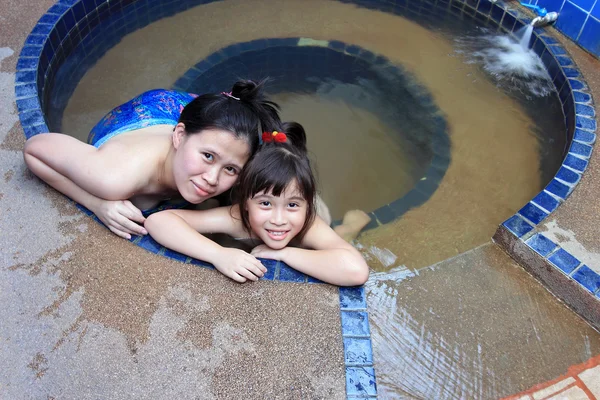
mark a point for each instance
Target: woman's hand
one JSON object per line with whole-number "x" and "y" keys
{"x": 264, "y": 251}
{"x": 239, "y": 265}
{"x": 121, "y": 217}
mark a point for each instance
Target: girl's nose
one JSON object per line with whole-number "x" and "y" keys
{"x": 278, "y": 217}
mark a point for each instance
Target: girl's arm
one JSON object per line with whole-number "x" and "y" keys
{"x": 79, "y": 171}
{"x": 327, "y": 257}
{"x": 180, "y": 230}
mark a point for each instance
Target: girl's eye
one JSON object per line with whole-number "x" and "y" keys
{"x": 231, "y": 170}
{"x": 208, "y": 156}
{"x": 293, "y": 205}
{"x": 265, "y": 203}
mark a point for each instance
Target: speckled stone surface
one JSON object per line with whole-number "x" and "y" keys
{"x": 88, "y": 315}
{"x": 575, "y": 225}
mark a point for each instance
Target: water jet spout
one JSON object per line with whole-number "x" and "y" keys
{"x": 544, "y": 20}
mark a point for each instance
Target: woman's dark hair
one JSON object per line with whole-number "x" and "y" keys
{"x": 274, "y": 167}
{"x": 247, "y": 117}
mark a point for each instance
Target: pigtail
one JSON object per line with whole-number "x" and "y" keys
{"x": 296, "y": 135}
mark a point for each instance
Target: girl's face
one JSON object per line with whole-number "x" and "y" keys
{"x": 207, "y": 163}
{"x": 276, "y": 220}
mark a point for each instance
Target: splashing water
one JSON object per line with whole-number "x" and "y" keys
{"x": 511, "y": 64}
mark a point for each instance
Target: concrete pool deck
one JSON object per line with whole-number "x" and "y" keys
{"x": 82, "y": 320}
{"x": 115, "y": 321}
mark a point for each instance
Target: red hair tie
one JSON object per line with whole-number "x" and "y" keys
{"x": 274, "y": 136}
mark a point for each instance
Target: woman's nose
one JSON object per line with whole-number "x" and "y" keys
{"x": 212, "y": 176}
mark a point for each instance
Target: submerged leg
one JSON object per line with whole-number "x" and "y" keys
{"x": 352, "y": 224}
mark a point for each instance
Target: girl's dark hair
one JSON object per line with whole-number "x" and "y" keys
{"x": 274, "y": 167}
{"x": 246, "y": 118}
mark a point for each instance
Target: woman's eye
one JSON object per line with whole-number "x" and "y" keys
{"x": 208, "y": 156}
{"x": 231, "y": 170}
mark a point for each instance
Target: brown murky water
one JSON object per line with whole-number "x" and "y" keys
{"x": 438, "y": 332}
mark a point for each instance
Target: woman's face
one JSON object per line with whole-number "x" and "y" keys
{"x": 207, "y": 163}
{"x": 276, "y": 220}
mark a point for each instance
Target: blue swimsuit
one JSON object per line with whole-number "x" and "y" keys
{"x": 154, "y": 107}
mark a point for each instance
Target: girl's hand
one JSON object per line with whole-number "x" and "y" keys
{"x": 121, "y": 217}
{"x": 239, "y": 265}
{"x": 264, "y": 251}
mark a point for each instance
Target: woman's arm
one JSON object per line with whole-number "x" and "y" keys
{"x": 77, "y": 170}
{"x": 327, "y": 257}
{"x": 180, "y": 230}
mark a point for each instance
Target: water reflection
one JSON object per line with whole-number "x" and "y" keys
{"x": 474, "y": 327}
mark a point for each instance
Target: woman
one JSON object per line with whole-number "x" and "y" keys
{"x": 158, "y": 146}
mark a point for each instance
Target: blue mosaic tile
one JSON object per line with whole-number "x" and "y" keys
{"x": 557, "y": 50}
{"x": 31, "y": 51}
{"x": 310, "y": 279}
{"x": 272, "y": 268}
{"x": 581, "y": 109}
{"x": 360, "y": 381}
{"x": 353, "y": 298}
{"x": 590, "y": 34}
{"x": 576, "y": 163}
{"x": 23, "y": 91}
{"x": 22, "y": 77}
{"x": 484, "y": 7}
{"x": 559, "y": 81}
{"x": 497, "y": 13}
{"x": 564, "y": 261}
{"x": 541, "y": 244}
{"x": 571, "y": 72}
{"x": 384, "y": 214}
{"x": 373, "y": 223}
{"x": 584, "y": 136}
{"x": 27, "y": 64}
{"x": 31, "y": 118}
{"x": 358, "y": 351}
{"x": 412, "y": 199}
{"x": 588, "y": 278}
{"x": 533, "y": 213}
{"x": 289, "y": 274}
{"x": 31, "y": 103}
{"x": 58, "y": 9}
{"x": 175, "y": 255}
{"x": 568, "y": 176}
{"x": 538, "y": 47}
{"x": 558, "y": 189}
{"x": 550, "y": 64}
{"x": 42, "y": 29}
{"x": 35, "y": 40}
{"x": 546, "y": 201}
{"x": 148, "y": 243}
{"x": 564, "y": 61}
{"x": 581, "y": 97}
{"x": 355, "y": 323}
{"x": 571, "y": 20}
{"x": 508, "y": 22}
{"x": 201, "y": 263}
{"x": 580, "y": 149}
{"x": 576, "y": 85}
{"x": 35, "y": 130}
{"x": 517, "y": 225}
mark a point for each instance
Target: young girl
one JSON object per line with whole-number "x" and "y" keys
{"x": 161, "y": 144}
{"x": 276, "y": 213}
